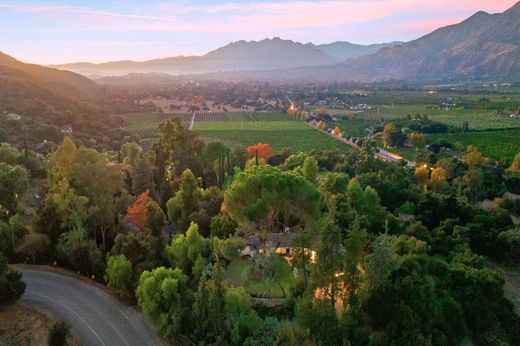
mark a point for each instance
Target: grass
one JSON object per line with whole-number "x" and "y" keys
{"x": 238, "y": 274}
{"x": 495, "y": 144}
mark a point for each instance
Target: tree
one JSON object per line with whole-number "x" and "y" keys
{"x": 263, "y": 194}
{"x": 228, "y": 248}
{"x": 59, "y": 331}
{"x": 129, "y": 152}
{"x": 336, "y": 132}
{"x": 367, "y": 161}
{"x": 143, "y": 251}
{"x": 80, "y": 253}
{"x": 13, "y": 184}
{"x": 165, "y": 298}
{"x": 417, "y": 140}
{"x": 260, "y": 150}
{"x": 414, "y": 305}
{"x": 179, "y": 146}
{"x": 155, "y": 219}
{"x": 73, "y": 209}
{"x": 354, "y": 257}
{"x": 11, "y": 285}
{"x": 474, "y": 158}
{"x": 393, "y": 136}
{"x": 438, "y": 180}
{"x": 310, "y": 169}
{"x": 34, "y": 245}
{"x": 295, "y": 160}
{"x": 12, "y": 233}
{"x": 209, "y": 308}
{"x": 186, "y": 250}
{"x": 422, "y": 175}
{"x": 119, "y": 275}
{"x": 137, "y": 213}
{"x": 142, "y": 175}
{"x": 90, "y": 175}
{"x": 515, "y": 166}
{"x": 222, "y": 226}
{"x": 381, "y": 262}
{"x": 186, "y": 200}
{"x": 321, "y": 319}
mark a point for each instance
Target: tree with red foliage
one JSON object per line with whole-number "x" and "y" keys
{"x": 264, "y": 151}
{"x": 138, "y": 211}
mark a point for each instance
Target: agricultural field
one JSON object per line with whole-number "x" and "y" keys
{"x": 240, "y": 128}
{"x": 140, "y": 122}
{"x": 478, "y": 119}
{"x": 495, "y": 144}
{"x": 289, "y": 134}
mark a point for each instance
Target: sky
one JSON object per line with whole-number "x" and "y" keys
{"x": 54, "y": 32}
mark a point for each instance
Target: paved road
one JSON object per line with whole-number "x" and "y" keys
{"x": 380, "y": 154}
{"x": 96, "y": 317}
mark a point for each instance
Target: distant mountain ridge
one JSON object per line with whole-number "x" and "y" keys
{"x": 342, "y": 50}
{"x": 267, "y": 54}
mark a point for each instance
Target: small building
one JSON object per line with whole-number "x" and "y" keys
{"x": 516, "y": 115}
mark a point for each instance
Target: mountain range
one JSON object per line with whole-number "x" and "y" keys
{"x": 482, "y": 46}
{"x": 267, "y": 54}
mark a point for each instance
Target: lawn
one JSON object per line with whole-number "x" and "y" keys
{"x": 238, "y": 272}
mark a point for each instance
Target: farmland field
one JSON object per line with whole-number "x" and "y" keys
{"x": 241, "y": 128}
{"x": 495, "y": 144}
{"x": 478, "y": 119}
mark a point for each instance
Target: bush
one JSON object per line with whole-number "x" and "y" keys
{"x": 119, "y": 275}
{"x": 58, "y": 333}
{"x": 11, "y": 284}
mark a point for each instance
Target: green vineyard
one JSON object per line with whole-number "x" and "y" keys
{"x": 238, "y": 129}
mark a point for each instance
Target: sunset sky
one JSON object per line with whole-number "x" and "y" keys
{"x": 67, "y": 31}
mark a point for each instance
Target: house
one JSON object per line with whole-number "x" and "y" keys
{"x": 516, "y": 115}
{"x": 280, "y": 242}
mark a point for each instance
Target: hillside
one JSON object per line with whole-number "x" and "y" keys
{"x": 47, "y": 100}
{"x": 484, "y": 45}
{"x": 63, "y": 83}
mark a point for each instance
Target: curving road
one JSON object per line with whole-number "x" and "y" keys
{"x": 96, "y": 317}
